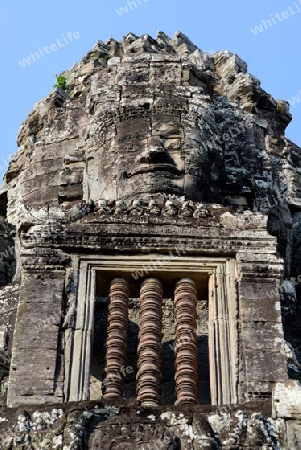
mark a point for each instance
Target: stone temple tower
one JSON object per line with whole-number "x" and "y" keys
{"x": 151, "y": 258}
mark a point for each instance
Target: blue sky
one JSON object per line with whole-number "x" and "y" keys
{"x": 273, "y": 54}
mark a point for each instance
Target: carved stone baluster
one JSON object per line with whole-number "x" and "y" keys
{"x": 116, "y": 339}
{"x": 149, "y": 375}
{"x": 186, "y": 342}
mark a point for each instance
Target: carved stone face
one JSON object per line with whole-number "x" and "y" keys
{"x": 156, "y": 154}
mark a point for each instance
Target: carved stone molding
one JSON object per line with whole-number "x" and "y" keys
{"x": 173, "y": 208}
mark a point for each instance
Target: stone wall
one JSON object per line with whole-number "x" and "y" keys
{"x": 9, "y": 297}
{"x": 157, "y": 160}
{"x": 94, "y": 425}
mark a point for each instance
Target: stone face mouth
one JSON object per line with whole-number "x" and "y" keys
{"x": 152, "y": 168}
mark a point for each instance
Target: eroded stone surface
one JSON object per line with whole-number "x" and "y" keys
{"x": 94, "y": 426}
{"x": 157, "y": 151}
{"x": 287, "y": 400}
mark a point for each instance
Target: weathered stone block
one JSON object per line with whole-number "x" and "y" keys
{"x": 41, "y": 196}
{"x": 263, "y": 335}
{"x": 264, "y": 365}
{"x": 259, "y": 289}
{"x": 3, "y": 337}
{"x": 260, "y": 310}
{"x": 287, "y": 400}
{"x": 170, "y": 73}
{"x": 40, "y": 361}
{"x": 47, "y": 290}
{"x": 294, "y": 434}
{"x": 255, "y": 389}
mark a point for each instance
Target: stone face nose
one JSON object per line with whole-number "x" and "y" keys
{"x": 155, "y": 155}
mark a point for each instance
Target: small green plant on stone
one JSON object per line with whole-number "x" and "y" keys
{"x": 61, "y": 82}
{"x": 280, "y": 108}
{"x": 105, "y": 57}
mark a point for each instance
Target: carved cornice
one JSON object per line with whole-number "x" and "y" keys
{"x": 170, "y": 208}
{"x": 150, "y": 224}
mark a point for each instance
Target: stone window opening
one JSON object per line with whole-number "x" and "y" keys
{"x": 216, "y": 313}
{"x": 124, "y": 374}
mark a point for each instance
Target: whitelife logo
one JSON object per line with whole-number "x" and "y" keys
{"x": 130, "y": 4}
{"x": 291, "y": 11}
{"x": 47, "y": 50}
{"x": 297, "y": 99}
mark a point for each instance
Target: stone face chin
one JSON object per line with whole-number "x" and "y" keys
{"x": 150, "y": 256}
